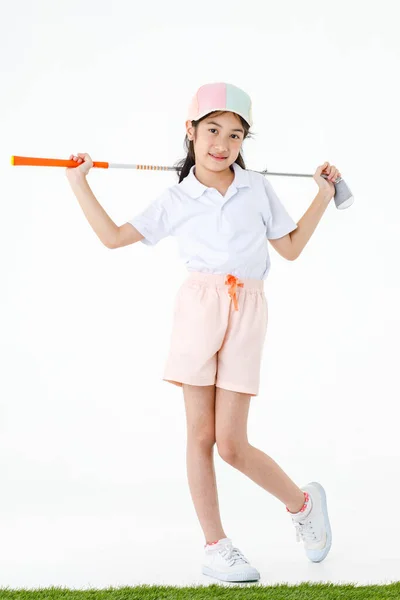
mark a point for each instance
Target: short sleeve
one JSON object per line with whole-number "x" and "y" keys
{"x": 277, "y": 219}
{"x": 153, "y": 223}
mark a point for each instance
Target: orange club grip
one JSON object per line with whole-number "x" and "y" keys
{"x": 50, "y": 162}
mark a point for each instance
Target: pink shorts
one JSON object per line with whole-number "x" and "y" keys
{"x": 218, "y": 334}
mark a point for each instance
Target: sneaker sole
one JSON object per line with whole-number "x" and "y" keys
{"x": 324, "y": 506}
{"x": 235, "y": 577}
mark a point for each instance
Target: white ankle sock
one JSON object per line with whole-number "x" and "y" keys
{"x": 303, "y": 514}
{"x": 210, "y": 545}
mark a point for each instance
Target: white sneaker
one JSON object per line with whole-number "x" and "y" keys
{"x": 312, "y": 523}
{"x": 225, "y": 562}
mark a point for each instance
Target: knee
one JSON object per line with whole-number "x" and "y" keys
{"x": 202, "y": 438}
{"x": 230, "y": 451}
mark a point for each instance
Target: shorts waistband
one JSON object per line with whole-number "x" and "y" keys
{"x": 222, "y": 280}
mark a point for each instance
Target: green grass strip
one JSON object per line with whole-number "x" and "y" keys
{"x": 233, "y": 591}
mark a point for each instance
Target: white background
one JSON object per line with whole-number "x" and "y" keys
{"x": 92, "y": 441}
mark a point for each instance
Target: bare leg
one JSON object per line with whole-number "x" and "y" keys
{"x": 200, "y": 418}
{"x": 231, "y": 413}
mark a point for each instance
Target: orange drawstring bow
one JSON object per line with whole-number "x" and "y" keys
{"x": 233, "y": 282}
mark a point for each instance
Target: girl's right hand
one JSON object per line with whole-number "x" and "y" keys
{"x": 85, "y": 164}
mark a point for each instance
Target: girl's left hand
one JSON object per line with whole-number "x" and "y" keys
{"x": 326, "y": 185}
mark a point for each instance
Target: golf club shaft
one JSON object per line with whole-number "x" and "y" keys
{"x": 343, "y": 197}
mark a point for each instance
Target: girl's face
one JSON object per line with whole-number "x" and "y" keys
{"x": 218, "y": 140}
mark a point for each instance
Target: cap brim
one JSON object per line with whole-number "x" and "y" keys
{"x": 206, "y": 112}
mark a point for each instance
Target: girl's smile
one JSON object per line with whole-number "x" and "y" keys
{"x": 219, "y": 158}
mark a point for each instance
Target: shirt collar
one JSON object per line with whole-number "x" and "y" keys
{"x": 192, "y": 186}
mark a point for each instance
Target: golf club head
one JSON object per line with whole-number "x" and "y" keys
{"x": 343, "y": 196}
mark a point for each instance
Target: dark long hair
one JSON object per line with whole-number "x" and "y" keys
{"x": 184, "y": 165}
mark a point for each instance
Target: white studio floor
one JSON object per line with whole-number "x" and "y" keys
{"x": 103, "y": 549}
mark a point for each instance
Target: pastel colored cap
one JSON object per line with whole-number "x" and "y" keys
{"x": 220, "y": 96}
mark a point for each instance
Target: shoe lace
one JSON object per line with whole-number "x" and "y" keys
{"x": 305, "y": 531}
{"x": 233, "y": 555}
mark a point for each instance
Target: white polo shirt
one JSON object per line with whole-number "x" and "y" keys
{"x": 219, "y": 234}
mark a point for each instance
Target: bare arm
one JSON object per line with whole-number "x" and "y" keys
{"x": 308, "y": 223}
{"x": 100, "y": 222}
{"x": 127, "y": 234}
{"x": 291, "y": 245}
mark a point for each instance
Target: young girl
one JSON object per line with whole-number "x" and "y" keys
{"x": 223, "y": 215}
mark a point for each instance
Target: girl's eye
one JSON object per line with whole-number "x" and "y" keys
{"x": 213, "y": 129}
